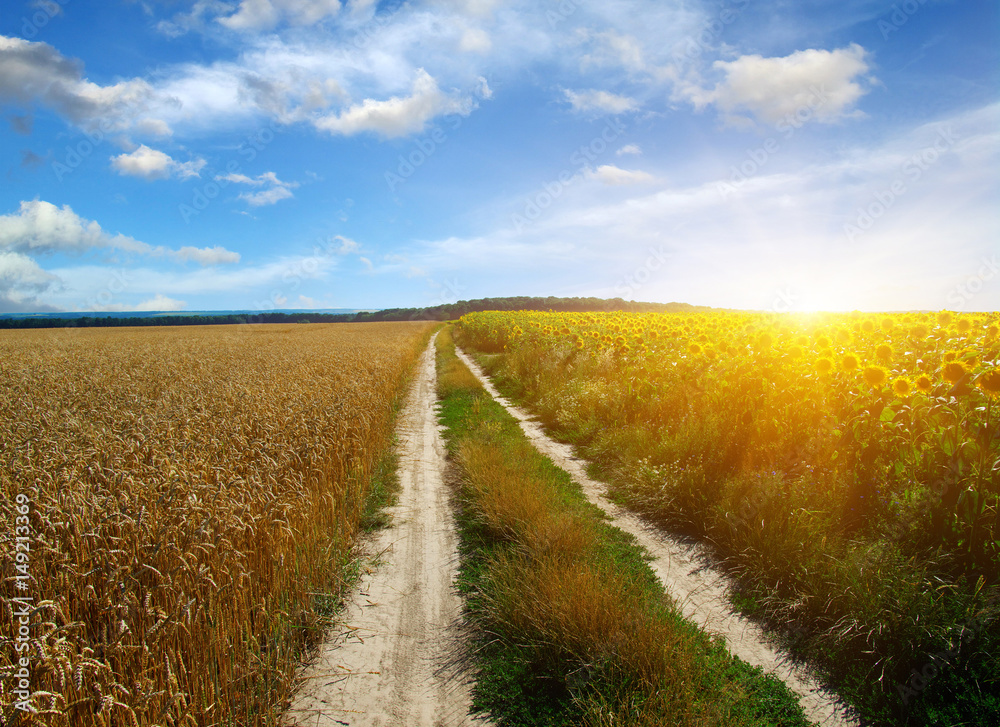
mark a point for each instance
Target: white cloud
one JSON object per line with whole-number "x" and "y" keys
{"x": 475, "y": 40}
{"x": 396, "y": 116}
{"x": 612, "y": 175}
{"x": 812, "y": 84}
{"x": 207, "y": 255}
{"x": 611, "y": 48}
{"x": 783, "y": 230}
{"x": 154, "y": 164}
{"x": 40, "y": 227}
{"x": 266, "y": 197}
{"x": 159, "y": 302}
{"x": 602, "y": 101}
{"x": 255, "y": 15}
{"x": 276, "y": 191}
{"x": 37, "y": 73}
{"x": 347, "y": 245}
{"x": 629, "y": 149}
{"x": 22, "y": 280}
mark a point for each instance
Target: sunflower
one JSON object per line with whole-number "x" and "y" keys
{"x": 868, "y": 326}
{"x": 964, "y": 325}
{"x": 888, "y": 324}
{"x": 884, "y": 352}
{"x": 944, "y": 318}
{"x": 954, "y": 371}
{"x": 924, "y": 383}
{"x": 850, "y": 362}
{"x": 902, "y": 387}
{"x": 694, "y": 348}
{"x": 989, "y": 383}
{"x": 824, "y": 365}
{"x": 875, "y": 376}
{"x": 919, "y": 332}
{"x": 765, "y": 340}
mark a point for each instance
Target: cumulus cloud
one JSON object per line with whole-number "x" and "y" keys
{"x": 601, "y": 101}
{"x": 816, "y": 84}
{"x": 276, "y": 190}
{"x": 612, "y": 175}
{"x": 154, "y": 164}
{"x": 40, "y": 227}
{"x": 22, "y": 280}
{"x": 396, "y": 116}
{"x": 37, "y": 73}
{"x": 629, "y": 149}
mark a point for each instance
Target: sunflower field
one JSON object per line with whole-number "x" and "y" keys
{"x": 845, "y": 468}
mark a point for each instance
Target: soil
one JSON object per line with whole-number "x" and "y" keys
{"x": 395, "y": 658}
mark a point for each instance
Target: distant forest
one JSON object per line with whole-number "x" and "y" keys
{"x": 447, "y": 312}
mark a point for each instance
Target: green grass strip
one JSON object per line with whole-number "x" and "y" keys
{"x": 572, "y": 625}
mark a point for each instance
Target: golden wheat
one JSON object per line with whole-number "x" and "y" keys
{"x": 191, "y": 492}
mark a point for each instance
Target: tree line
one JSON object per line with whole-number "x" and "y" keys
{"x": 444, "y": 312}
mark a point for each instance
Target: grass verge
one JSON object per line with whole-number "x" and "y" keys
{"x": 574, "y": 627}
{"x": 903, "y": 639}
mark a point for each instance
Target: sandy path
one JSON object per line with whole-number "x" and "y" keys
{"x": 684, "y": 569}
{"x": 388, "y": 664}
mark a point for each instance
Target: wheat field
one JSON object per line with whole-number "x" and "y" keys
{"x": 178, "y": 505}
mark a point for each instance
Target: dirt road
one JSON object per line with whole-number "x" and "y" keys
{"x": 388, "y": 664}
{"x": 685, "y": 571}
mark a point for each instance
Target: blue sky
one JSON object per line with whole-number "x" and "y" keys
{"x": 262, "y": 154}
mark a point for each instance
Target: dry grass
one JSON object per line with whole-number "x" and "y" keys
{"x": 194, "y": 493}
{"x": 572, "y": 604}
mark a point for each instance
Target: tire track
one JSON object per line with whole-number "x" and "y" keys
{"x": 391, "y": 661}
{"x": 687, "y": 574}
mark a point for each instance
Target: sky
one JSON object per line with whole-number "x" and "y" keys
{"x": 784, "y": 155}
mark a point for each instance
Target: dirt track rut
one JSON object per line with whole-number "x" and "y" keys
{"x": 389, "y": 663}
{"x": 685, "y": 571}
